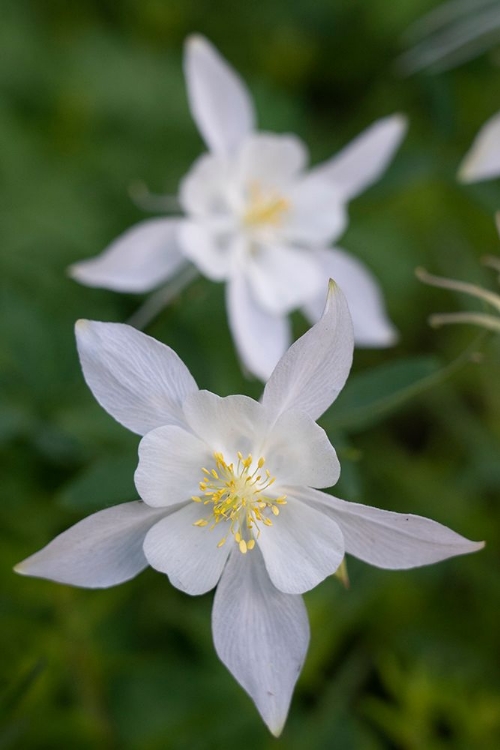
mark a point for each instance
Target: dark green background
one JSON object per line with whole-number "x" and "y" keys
{"x": 92, "y": 99}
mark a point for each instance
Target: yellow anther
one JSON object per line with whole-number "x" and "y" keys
{"x": 264, "y": 207}
{"x": 236, "y": 495}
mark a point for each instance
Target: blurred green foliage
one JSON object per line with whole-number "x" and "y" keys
{"x": 92, "y": 99}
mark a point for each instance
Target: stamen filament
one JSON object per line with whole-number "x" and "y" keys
{"x": 237, "y": 496}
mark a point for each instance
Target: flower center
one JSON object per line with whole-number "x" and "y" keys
{"x": 264, "y": 207}
{"x": 237, "y": 496}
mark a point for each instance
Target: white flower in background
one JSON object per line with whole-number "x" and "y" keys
{"x": 256, "y": 218}
{"x": 482, "y": 161}
{"x": 227, "y": 499}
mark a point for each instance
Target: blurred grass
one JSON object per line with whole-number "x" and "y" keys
{"x": 92, "y": 100}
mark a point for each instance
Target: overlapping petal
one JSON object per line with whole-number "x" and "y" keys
{"x": 206, "y": 189}
{"x": 283, "y": 278}
{"x": 188, "y": 554}
{"x": 100, "y": 551}
{"x": 260, "y": 634}
{"x": 371, "y": 323}
{"x": 219, "y": 100}
{"x": 170, "y": 464}
{"x": 210, "y": 249}
{"x": 390, "y": 540}
{"x": 482, "y": 161}
{"x": 363, "y": 160}
{"x": 301, "y": 548}
{"x": 311, "y": 374}
{"x": 298, "y": 452}
{"x": 143, "y": 257}
{"x": 139, "y": 381}
{"x": 261, "y": 337}
{"x": 269, "y": 161}
{"x": 317, "y": 214}
{"x": 226, "y": 425}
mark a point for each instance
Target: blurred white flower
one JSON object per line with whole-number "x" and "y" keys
{"x": 228, "y": 499}
{"x": 258, "y": 220}
{"x": 482, "y": 161}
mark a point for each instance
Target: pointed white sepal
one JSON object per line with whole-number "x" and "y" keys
{"x": 372, "y": 326}
{"x": 261, "y": 635}
{"x": 219, "y": 100}
{"x": 482, "y": 161}
{"x": 102, "y": 550}
{"x": 364, "y": 160}
{"x": 311, "y": 374}
{"x": 140, "y": 259}
{"x": 395, "y": 541}
{"x": 261, "y": 337}
{"x": 139, "y": 381}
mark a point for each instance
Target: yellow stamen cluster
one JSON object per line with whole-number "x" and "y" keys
{"x": 236, "y": 494}
{"x": 264, "y": 207}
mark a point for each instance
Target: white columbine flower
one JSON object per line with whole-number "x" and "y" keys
{"x": 227, "y": 494}
{"x": 482, "y": 161}
{"x": 256, "y": 218}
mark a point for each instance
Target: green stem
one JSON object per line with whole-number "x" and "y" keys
{"x": 155, "y": 303}
{"x": 459, "y": 286}
{"x": 478, "y": 319}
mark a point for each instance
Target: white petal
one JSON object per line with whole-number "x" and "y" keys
{"x": 270, "y": 162}
{"x": 261, "y": 635}
{"x": 482, "y": 161}
{"x": 226, "y": 425}
{"x": 188, "y": 554}
{"x": 301, "y": 548}
{"x": 313, "y": 371}
{"x": 139, "y": 381}
{"x": 261, "y": 338}
{"x": 205, "y": 190}
{"x": 100, "y": 551}
{"x": 298, "y": 452}
{"x": 317, "y": 213}
{"x": 364, "y": 160}
{"x": 372, "y": 327}
{"x": 390, "y": 540}
{"x": 219, "y": 99}
{"x": 137, "y": 261}
{"x": 210, "y": 250}
{"x": 283, "y": 278}
{"x": 170, "y": 466}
